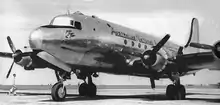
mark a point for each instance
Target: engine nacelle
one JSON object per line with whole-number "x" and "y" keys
{"x": 32, "y": 62}
{"x": 216, "y": 49}
{"x": 25, "y": 61}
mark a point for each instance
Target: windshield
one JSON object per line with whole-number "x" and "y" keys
{"x": 63, "y": 21}
{"x": 66, "y": 21}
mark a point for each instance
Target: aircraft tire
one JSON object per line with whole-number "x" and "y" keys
{"x": 57, "y": 92}
{"x": 87, "y": 90}
{"x": 170, "y": 91}
{"x": 180, "y": 92}
{"x": 83, "y": 89}
{"x": 92, "y": 90}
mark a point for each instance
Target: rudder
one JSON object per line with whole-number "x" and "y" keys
{"x": 193, "y": 35}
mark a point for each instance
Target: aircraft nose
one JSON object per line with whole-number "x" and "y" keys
{"x": 35, "y": 39}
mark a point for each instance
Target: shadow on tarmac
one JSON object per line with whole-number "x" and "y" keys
{"x": 147, "y": 97}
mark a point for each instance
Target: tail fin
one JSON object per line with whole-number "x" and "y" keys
{"x": 193, "y": 35}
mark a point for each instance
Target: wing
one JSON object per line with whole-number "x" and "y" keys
{"x": 54, "y": 61}
{"x": 202, "y": 60}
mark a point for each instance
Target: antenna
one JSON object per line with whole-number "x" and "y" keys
{"x": 68, "y": 9}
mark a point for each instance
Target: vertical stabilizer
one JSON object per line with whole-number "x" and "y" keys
{"x": 193, "y": 35}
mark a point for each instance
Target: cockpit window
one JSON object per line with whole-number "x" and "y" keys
{"x": 72, "y": 22}
{"x": 78, "y": 25}
{"x": 66, "y": 21}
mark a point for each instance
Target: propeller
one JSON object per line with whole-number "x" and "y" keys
{"x": 16, "y": 55}
{"x": 149, "y": 56}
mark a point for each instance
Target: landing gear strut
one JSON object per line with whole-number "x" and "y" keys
{"x": 176, "y": 91}
{"x": 88, "y": 89}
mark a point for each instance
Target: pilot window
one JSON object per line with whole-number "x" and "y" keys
{"x": 72, "y": 22}
{"x": 78, "y": 25}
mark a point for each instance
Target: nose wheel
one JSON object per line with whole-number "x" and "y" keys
{"x": 58, "y": 92}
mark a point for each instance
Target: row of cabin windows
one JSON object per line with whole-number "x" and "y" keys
{"x": 132, "y": 44}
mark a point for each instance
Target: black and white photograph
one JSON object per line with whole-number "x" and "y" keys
{"x": 109, "y": 52}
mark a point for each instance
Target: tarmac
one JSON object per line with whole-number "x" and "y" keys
{"x": 201, "y": 96}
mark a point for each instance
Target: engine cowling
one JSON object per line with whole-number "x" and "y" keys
{"x": 160, "y": 63}
{"x": 155, "y": 61}
{"x": 21, "y": 60}
{"x": 216, "y": 49}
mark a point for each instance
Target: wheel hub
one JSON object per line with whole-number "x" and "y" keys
{"x": 61, "y": 92}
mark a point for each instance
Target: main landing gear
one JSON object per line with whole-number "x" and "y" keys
{"x": 88, "y": 89}
{"x": 176, "y": 91}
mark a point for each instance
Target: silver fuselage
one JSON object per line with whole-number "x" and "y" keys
{"x": 99, "y": 44}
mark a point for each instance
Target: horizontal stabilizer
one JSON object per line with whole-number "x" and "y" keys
{"x": 201, "y": 46}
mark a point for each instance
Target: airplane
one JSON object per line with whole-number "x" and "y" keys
{"x": 87, "y": 45}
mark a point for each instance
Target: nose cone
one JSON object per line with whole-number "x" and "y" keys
{"x": 35, "y": 39}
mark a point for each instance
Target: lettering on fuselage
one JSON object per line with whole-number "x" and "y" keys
{"x": 143, "y": 40}
{"x": 124, "y": 35}
{"x": 132, "y": 37}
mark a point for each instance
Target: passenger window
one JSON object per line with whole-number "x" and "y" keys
{"x": 125, "y": 42}
{"x": 132, "y": 43}
{"x": 145, "y": 46}
{"x": 139, "y": 45}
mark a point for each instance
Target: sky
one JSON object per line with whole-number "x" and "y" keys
{"x": 159, "y": 17}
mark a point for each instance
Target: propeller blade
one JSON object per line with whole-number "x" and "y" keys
{"x": 13, "y": 49}
{"x": 180, "y": 51}
{"x": 6, "y": 55}
{"x": 161, "y": 43}
{"x": 9, "y": 72}
{"x": 201, "y": 46}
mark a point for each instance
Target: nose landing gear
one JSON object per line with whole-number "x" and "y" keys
{"x": 58, "y": 92}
